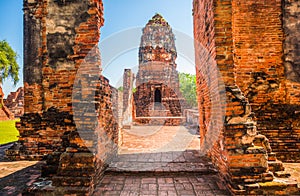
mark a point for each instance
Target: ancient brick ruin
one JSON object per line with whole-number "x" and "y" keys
{"x": 157, "y": 85}
{"x": 245, "y": 41}
{"x": 15, "y": 102}
{"x": 62, "y": 78}
{"x": 127, "y": 111}
{"x": 247, "y": 62}
{"x": 5, "y": 113}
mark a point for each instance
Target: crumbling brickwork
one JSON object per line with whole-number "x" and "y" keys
{"x": 291, "y": 47}
{"x": 243, "y": 39}
{"x": 15, "y": 102}
{"x": 262, "y": 74}
{"x": 290, "y": 110}
{"x": 157, "y": 83}
{"x": 68, "y": 104}
{"x": 248, "y": 90}
{"x": 5, "y": 113}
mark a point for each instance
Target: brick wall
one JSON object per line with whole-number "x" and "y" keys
{"x": 69, "y": 109}
{"x": 49, "y": 72}
{"x": 263, "y": 76}
{"x": 209, "y": 32}
{"x": 34, "y": 52}
{"x": 243, "y": 41}
{"x": 250, "y": 54}
{"x": 291, "y": 46}
{"x": 258, "y": 50}
{"x": 289, "y": 121}
{"x": 5, "y": 113}
{"x": 15, "y": 102}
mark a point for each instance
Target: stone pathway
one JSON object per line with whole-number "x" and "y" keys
{"x": 179, "y": 161}
{"x": 143, "y": 167}
{"x": 185, "y": 184}
{"x": 294, "y": 170}
{"x": 160, "y": 160}
{"x": 149, "y": 139}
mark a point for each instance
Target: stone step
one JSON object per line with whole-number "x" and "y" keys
{"x": 160, "y": 120}
{"x": 162, "y": 173}
{"x": 162, "y": 162}
{"x": 279, "y": 186}
{"x": 272, "y": 156}
{"x": 282, "y": 174}
{"x": 275, "y": 166}
{"x": 156, "y": 167}
{"x": 162, "y": 113}
{"x": 160, "y": 117}
{"x": 53, "y": 190}
{"x": 71, "y": 181}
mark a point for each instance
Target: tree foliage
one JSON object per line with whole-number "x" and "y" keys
{"x": 121, "y": 88}
{"x": 188, "y": 88}
{"x": 8, "y": 62}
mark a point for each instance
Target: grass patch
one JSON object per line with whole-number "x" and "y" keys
{"x": 8, "y": 131}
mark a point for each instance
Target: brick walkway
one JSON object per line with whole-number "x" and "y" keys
{"x": 16, "y": 176}
{"x": 184, "y": 184}
{"x": 164, "y": 160}
{"x": 149, "y": 139}
{"x": 186, "y": 161}
{"x": 294, "y": 170}
{"x": 172, "y": 166}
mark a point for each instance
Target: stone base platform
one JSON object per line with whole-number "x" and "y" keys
{"x": 279, "y": 186}
{"x": 160, "y": 120}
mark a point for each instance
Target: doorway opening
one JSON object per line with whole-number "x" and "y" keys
{"x": 157, "y": 95}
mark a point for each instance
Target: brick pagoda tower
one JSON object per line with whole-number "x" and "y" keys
{"x": 157, "y": 85}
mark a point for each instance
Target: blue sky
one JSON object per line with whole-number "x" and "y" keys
{"x": 11, "y": 30}
{"x": 120, "y": 16}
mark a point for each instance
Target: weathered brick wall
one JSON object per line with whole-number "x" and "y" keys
{"x": 290, "y": 117}
{"x": 34, "y": 54}
{"x": 203, "y": 21}
{"x": 49, "y": 73}
{"x": 209, "y": 32}
{"x": 258, "y": 50}
{"x": 59, "y": 35}
{"x": 291, "y": 47}
{"x": 68, "y": 104}
{"x": 261, "y": 74}
{"x": 144, "y": 100}
{"x": 157, "y": 74}
{"x": 246, "y": 163}
{"x": 15, "y": 102}
{"x": 223, "y": 31}
{"x": 5, "y": 113}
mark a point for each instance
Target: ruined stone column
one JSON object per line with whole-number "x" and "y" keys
{"x": 128, "y": 78}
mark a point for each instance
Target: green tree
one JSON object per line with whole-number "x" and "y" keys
{"x": 188, "y": 88}
{"x": 121, "y": 89}
{"x": 8, "y": 63}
